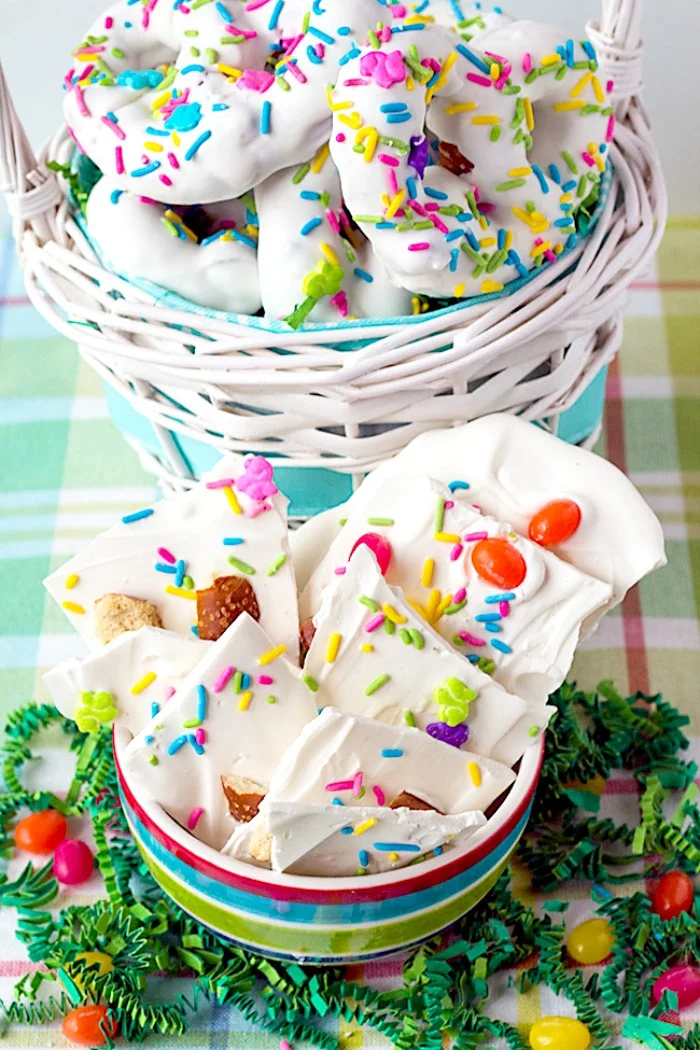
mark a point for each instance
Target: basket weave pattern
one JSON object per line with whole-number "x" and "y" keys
{"x": 227, "y": 384}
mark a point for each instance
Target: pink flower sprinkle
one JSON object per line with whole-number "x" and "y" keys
{"x": 375, "y": 622}
{"x": 459, "y": 595}
{"x": 527, "y": 62}
{"x": 504, "y": 608}
{"x": 474, "y": 537}
{"x": 419, "y": 246}
{"x": 477, "y": 79}
{"x": 357, "y": 784}
{"x": 340, "y": 785}
{"x": 471, "y": 639}
{"x": 456, "y": 551}
{"x": 265, "y": 679}
{"x": 118, "y": 160}
{"x": 200, "y": 736}
{"x": 256, "y": 79}
{"x": 392, "y": 162}
{"x": 341, "y": 570}
{"x": 222, "y": 483}
{"x": 386, "y": 69}
{"x": 194, "y": 817}
{"x": 379, "y": 795}
{"x": 224, "y": 678}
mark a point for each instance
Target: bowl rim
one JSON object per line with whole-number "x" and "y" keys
{"x": 262, "y": 881}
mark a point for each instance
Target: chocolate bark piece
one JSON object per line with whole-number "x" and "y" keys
{"x": 117, "y": 613}
{"x": 307, "y": 633}
{"x": 452, "y": 158}
{"x": 222, "y": 603}
{"x": 408, "y": 801}
{"x": 243, "y": 796}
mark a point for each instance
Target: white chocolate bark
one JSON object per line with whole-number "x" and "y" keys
{"x": 193, "y": 527}
{"x": 139, "y": 669}
{"x": 314, "y": 840}
{"x": 208, "y": 730}
{"x": 410, "y": 673}
{"x": 532, "y": 642}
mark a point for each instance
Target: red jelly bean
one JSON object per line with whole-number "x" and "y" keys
{"x": 674, "y": 894}
{"x": 82, "y": 1025}
{"x": 499, "y": 562}
{"x": 683, "y": 980}
{"x": 380, "y": 547}
{"x": 41, "y": 832}
{"x": 72, "y": 862}
{"x": 555, "y": 523}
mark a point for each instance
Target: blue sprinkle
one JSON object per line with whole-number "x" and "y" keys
{"x": 438, "y": 849}
{"x": 473, "y": 658}
{"x": 138, "y": 515}
{"x": 496, "y": 10}
{"x": 232, "y": 541}
{"x": 363, "y": 275}
{"x": 454, "y": 260}
{"x": 320, "y": 35}
{"x": 179, "y": 573}
{"x": 162, "y": 567}
{"x": 539, "y": 174}
{"x": 195, "y": 631}
{"x": 492, "y": 627}
{"x": 219, "y": 106}
{"x": 515, "y": 260}
{"x": 245, "y": 682}
{"x": 265, "y": 118}
{"x": 589, "y": 49}
{"x": 472, "y": 241}
{"x": 561, "y": 51}
{"x": 411, "y": 187}
{"x": 274, "y": 17}
{"x": 570, "y": 185}
{"x": 563, "y": 222}
{"x": 398, "y": 118}
{"x": 149, "y": 739}
{"x": 313, "y": 57}
{"x": 392, "y": 752}
{"x": 555, "y": 174}
{"x": 111, "y": 116}
{"x": 196, "y": 144}
{"x": 455, "y": 485}
{"x": 158, "y": 132}
{"x": 474, "y": 59}
{"x": 386, "y": 226}
{"x": 349, "y": 55}
{"x": 438, "y": 195}
{"x": 603, "y": 148}
{"x": 115, "y": 195}
{"x": 197, "y": 748}
{"x": 223, "y": 12}
{"x": 408, "y": 29}
{"x": 433, "y": 80}
{"x": 464, "y": 216}
{"x": 128, "y": 25}
{"x": 569, "y": 53}
{"x": 337, "y": 802}
{"x": 179, "y": 742}
{"x": 193, "y": 68}
{"x": 602, "y": 892}
{"x": 571, "y": 241}
{"x": 316, "y": 8}
{"x": 393, "y": 107}
{"x": 501, "y": 239}
{"x": 137, "y": 173}
{"x": 312, "y": 224}
{"x": 344, "y": 30}
{"x": 364, "y": 857}
{"x": 155, "y": 709}
{"x": 459, "y": 14}
{"x": 346, "y": 831}
{"x": 201, "y": 703}
{"x": 494, "y": 599}
{"x": 501, "y": 646}
{"x": 488, "y": 617}
{"x": 212, "y": 237}
{"x": 396, "y": 847}
{"x": 310, "y": 195}
{"x": 453, "y": 235}
{"x": 242, "y": 238}
{"x": 421, "y": 7}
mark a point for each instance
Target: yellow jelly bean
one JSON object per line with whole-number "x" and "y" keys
{"x": 559, "y": 1033}
{"x": 596, "y": 785}
{"x": 90, "y": 958}
{"x": 591, "y": 942}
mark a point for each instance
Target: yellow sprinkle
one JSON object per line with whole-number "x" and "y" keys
{"x": 550, "y": 60}
{"x": 335, "y": 106}
{"x": 488, "y": 242}
{"x": 370, "y": 136}
{"x": 440, "y": 611}
{"x": 175, "y": 137}
{"x": 562, "y": 107}
{"x": 460, "y": 107}
{"x": 600, "y": 163}
{"x": 428, "y": 569}
{"x": 73, "y": 607}
{"x": 519, "y": 173}
{"x": 330, "y": 254}
{"x": 396, "y": 204}
{"x": 232, "y": 500}
{"x": 391, "y": 614}
{"x": 592, "y": 148}
{"x": 432, "y": 603}
{"x": 475, "y": 774}
{"x": 523, "y": 215}
{"x": 229, "y": 71}
{"x": 442, "y": 79}
{"x": 320, "y": 159}
{"x": 566, "y": 198}
{"x": 491, "y": 286}
{"x": 558, "y": 249}
{"x": 153, "y": 147}
{"x": 418, "y": 608}
{"x": 354, "y": 121}
{"x": 365, "y": 826}
{"x": 271, "y": 655}
{"x": 180, "y": 592}
{"x": 459, "y": 290}
{"x": 483, "y": 222}
{"x": 175, "y": 218}
{"x": 582, "y": 85}
{"x": 495, "y": 71}
{"x": 490, "y": 118}
{"x": 412, "y": 19}
{"x": 386, "y": 200}
{"x": 143, "y": 683}
{"x": 161, "y": 100}
{"x": 529, "y": 115}
{"x": 393, "y": 857}
{"x": 244, "y": 702}
{"x": 410, "y": 84}
{"x": 539, "y": 249}
{"x": 333, "y": 647}
{"x": 71, "y": 581}
{"x": 415, "y": 304}
{"x": 598, "y": 90}
{"x": 367, "y": 648}
{"x": 446, "y": 537}
{"x": 509, "y": 240}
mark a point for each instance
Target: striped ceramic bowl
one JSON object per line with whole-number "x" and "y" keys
{"x": 324, "y": 921}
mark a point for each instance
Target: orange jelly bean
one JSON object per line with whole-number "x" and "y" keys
{"x": 82, "y": 1025}
{"x": 674, "y": 894}
{"x": 498, "y": 562}
{"x": 555, "y": 523}
{"x": 41, "y": 832}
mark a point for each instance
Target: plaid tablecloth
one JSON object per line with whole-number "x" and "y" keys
{"x": 65, "y": 474}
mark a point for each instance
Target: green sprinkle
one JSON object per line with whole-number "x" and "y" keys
{"x": 305, "y": 22}
{"x": 389, "y": 627}
{"x": 496, "y": 260}
{"x": 194, "y": 51}
{"x": 153, "y": 760}
{"x": 301, "y": 174}
{"x": 188, "y": 583}
{"x": 231, "y": 40}
{"x": 377, "y": 684}
{"x": 281, "y": 82}
{"x": 238, "y": 682}
{"x": 277, "y": 565}
{"x": 242, "y": 566}
{"x": 416, "y": 637}
{"x": 533, "y": 730}
{"x": 582, "y": 186}
{"x": 191, "y": 32}
{"x": 211, "y": 56}
{"x": 455, "y": 607}
{"x": 439, "y": 515}
{"x": 495, "y": 133}
{"x": 117, "y": 52}
{"x": 310, "y": 683}
{"x": 570, "y": 162}
{"x": 272, "y": 699}
{"x": 511, "y": 184}
{"x": 380, "y": 521}
{"x": 369, "y": 602}
{"x": 405, "y": 636}
{"x": 191, "y": 723}
{"x": 409, "y": 718}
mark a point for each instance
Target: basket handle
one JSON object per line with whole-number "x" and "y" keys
{"x": 617, "y": 39}
{"x": 32, "y": 192}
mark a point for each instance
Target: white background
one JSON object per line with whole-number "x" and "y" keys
{"x": 37, "y": 37}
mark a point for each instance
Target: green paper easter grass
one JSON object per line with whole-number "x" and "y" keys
{"x": 444, "y": 997}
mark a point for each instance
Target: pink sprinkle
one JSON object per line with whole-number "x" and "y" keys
{"x": 340, "y": 137}
{"x": 341, "y": 570}
{"x": 148, "y": 200}
{"x": 393, "y": 181}
{"x": 504, "y": 608}
{"x": 170, "y": 691}
{"x": 471, "y": 639}
{"x": 256, "y": 79}
{"x": 247, "y": 33}
{"x": 477, "y": 79}
{"x": 223, "y": 678}
{"x": 296, "y": 72}
{"x": 550, "y": 256}
{"x": 474, "y": 537}
{"x": 109, "y": 22}
{"x": 398, "y": 11}
{"x": 146, "y": 18}
{"x": 527, "y": 62}
{"x": 194, "y": 818}
{"x": 333, "y": 221}
{"x": 459, "y": 595}
{"x": 200, "y": 736}
{"x": 610, "y": 85}
{"x": 265, "y": 679}
{"x": 357, "y": 784}
{"x": 386, "y": 159}
{"x": 86, "y": 72}
{"x": 355, "y": 82}
{"x": 375, "y": 622}
{"x": 439, "y": 224}
{"x": 68, "y": 79}
{"x": 432, "y": 206}
{"x": 485, "y": 208}
{"x": 417, "y": 207}
{"x": 611, "y": 129}
{"x": 94, "y": 49}
{"x": 284, "y": 1045}
{"x": 253, "y": 5}
{"x": 431, "y": 63}
{"x": 456, "y": 551}
{"x": 113, "y": 127}
{"x": 84, "y": 111}
{"x": 379, "y": 795}
{"x": 419, "y": 246}
{"x": 166, "y": 180}
{"x": 222, "y": 483}
{"x": 173, "y": 160}
{"x": 119, "y": 160}
{"x": 165, "y": 554}
{"x": 340, "y": 785}
{"x": 340, "y": 301}
{"x": 385, "y": 35}
{"x": 588, "y": 159}
{"x": 320, "y": 50}
{"x": 449, "y": 504}
{"x": 255, "y": 509}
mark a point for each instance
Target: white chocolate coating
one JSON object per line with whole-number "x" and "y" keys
{"x": 309, "y": 840}
{"x": 532, "y": 642}
{"x": 135, "y": 241}
{"x": 244, "y": 734}
{"x": 414, "y": 674}
{"x": 193, "y": 528}
{"x": 122, "y": 665}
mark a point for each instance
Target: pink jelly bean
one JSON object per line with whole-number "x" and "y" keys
{"x": 72, "y": 862}
{"x": 380, "y": 547}
{"x": 683, "y": 980}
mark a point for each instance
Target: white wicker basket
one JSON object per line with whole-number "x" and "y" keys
{"x": 323, "y": 404}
